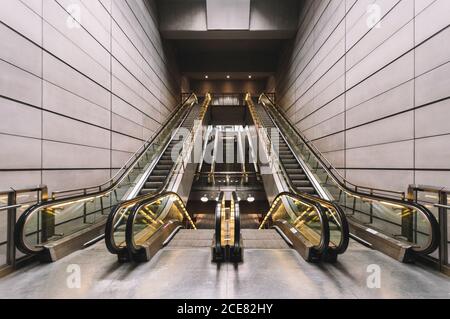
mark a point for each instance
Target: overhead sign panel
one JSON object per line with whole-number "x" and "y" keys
{"x": 228, "y": 14}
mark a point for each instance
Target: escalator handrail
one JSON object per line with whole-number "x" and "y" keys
{"x": 237, "y": 223}
{"x": 110, "y": 225}
{"x": 130, "y": 244}
{"x": 218, "y": 223}
{"x": 23, "y": 219}
{"x": 435, "y": 232}
{"x": 324, "y": 222}
{"x": 345, "y": 231}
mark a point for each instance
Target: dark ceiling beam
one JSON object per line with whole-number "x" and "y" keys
{"x": 188, "y": 19}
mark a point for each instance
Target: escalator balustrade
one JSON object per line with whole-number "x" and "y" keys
{"x": 69, "y": 219}
{"x": 383, "y": 219}
{"x": 227, "y": 242}
{"x": 159, "y": 178}
{"x": 305, "y": 223}
{"x": 152, "y": 223}
{"x": 292, "y": 179}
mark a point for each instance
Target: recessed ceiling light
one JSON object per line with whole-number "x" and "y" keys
{"x": 250, "y": 199}
{"x": 204, "y": 198}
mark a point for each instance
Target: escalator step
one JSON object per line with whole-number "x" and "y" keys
{"x": 163, "y": 167}
{"x": 158, "y": 172}
{"x": 301, "y": 183}
{"x": 287, "y": 157}
{"x": 297, "y": 176}
{"x": 156, "y": 178}
{"x": 165, "y": 162}
{"x": 152, "y": 185}
{"x": 307, "y": 190}
{"x": 292, "y": 166}
{"x": 289, "y": 160}
{"x": 145, "y": 191}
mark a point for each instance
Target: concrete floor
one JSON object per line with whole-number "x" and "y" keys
{"x": 180, "y": 272}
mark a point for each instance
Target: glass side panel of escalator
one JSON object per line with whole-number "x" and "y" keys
{"x": 396, "y": 219}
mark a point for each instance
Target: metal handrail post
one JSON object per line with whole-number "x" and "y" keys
{"x": 443, "y": 222}
{"x": 11, "y": 224}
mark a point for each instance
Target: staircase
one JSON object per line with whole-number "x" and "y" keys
{"x": 162, "y": 169}
{"x": 294, "y": 170}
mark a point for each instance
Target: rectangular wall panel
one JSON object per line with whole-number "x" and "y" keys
{"x": 369, "y": 83}
{"x": 82, "y": 84}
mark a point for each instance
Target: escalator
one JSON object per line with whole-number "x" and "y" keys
{"x": 162, "y": 169}
{"x": 152, "y": 223}
{"x": 163, "y": 178}
{"x": 384, "y": 220}
{"x": 296, "y": 174}
{"x": 298, "y": 198}
{"x": 71, "y": 219}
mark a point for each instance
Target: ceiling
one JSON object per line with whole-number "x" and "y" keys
{"x": 221, "y": 58}
{"x": 217, "y": 38}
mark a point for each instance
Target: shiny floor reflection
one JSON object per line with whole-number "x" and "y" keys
{"x": 177, "y": 272}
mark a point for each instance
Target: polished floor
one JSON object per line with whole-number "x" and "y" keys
{"x": 182, "y": 272}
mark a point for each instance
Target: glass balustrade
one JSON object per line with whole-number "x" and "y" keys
{"x": 306, "y": 217}
{"x": 72, "y": 211}
{"x": 383, "y": 211}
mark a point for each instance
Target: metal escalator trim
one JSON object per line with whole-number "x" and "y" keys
{"x": 218, "y": 251}
{"x": 322, "y": 247}
{"x": 315, "y": 184}
{"x": 283, "y": 235}
{"x": 207, "y": 135}
{"x": 213, "y": 160}
{"x": 253, "y": 153}
{"x": 369, "y": 194}
{"x": 237, "y": 223}
{"x": 172, "y": 235}
{"x": 131, "y": 246}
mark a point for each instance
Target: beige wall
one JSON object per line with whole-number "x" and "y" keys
{"x": 375, "y": 100}
{"x": 77, "y": 100}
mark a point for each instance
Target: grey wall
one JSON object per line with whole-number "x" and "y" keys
{"x": 374, "y": 100}
{"x": 76, "y": 102}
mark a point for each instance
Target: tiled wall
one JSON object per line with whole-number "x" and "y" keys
{"x": 374, "y": 99}
{"x": 76, "y": 100}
